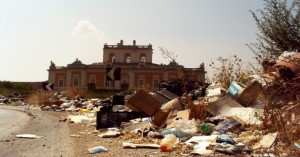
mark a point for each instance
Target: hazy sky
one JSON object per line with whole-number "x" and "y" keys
{"x": 35, "y": 32}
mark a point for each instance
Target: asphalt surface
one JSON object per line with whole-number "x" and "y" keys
{"x": 11, "y": 121}
{"x": 55, "y": 141}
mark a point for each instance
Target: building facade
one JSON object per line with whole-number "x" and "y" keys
{"x": 137, "y": 69}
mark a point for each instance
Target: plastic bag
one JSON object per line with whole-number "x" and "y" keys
{"x": 97, "y": 149}
{"x": 185, "y": 128}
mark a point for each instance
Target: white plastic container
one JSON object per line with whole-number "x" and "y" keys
{"x": 168, "y": 142}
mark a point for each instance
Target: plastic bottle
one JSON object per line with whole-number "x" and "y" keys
{"x": 169, "y": 131}
{"x": 168, "y": 142}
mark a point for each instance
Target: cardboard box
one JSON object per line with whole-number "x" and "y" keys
{"x": 160, "y": 117}
{"x": 167, "y": 94}
{"x": 144, "y": 102}
{"x": 160, "y": 98}
{"x": 249, "y": 95}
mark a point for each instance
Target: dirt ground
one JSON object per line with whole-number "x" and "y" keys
{"x": 114, "y": 145}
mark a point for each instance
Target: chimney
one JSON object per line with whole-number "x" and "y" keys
{"x": 134, "y": 42}
{"x": 121, "y": 42}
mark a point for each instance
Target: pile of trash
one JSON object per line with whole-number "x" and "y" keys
{"x": 257, "y": 118}
{"x": 179, "y": 87}
{"x": 60, "y": 102}
{"x": 223, "y": 128}
{"x": 14, "y": 99}
{"x": 222, "y": 122}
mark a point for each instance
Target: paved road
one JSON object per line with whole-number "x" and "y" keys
{"x": 11, "y": 121}
{"x": 55, "y": 142}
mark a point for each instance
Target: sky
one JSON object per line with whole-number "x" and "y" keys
{"x": 34, "y": 32}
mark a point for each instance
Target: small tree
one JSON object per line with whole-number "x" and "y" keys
{"x": 168, "y": 55}
{"x": 279, "y": 26}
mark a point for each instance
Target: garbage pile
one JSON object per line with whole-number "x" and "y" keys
{"x": 224, "y": 126}
{"x": 255, "y": 118}
{"x": 15, "y": 99}
{"x": 179, "y": 87}
{"x": 59, "y": 102}
{"x": 3, "y": 99}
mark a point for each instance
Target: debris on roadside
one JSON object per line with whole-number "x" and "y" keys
{"x": 266, "y": 141}
{"x": 29, "y": 136}
{"x": 297, "y": 144}
{"x": 75, "y": 135}
{"x": 98, "y": 149}
{"x": 143, "y": 145}
{"x": 109, "y": 134}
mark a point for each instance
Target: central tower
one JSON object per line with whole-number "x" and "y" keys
{"x": 121, "y": 53}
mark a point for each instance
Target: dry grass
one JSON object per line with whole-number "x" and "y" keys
{"x": 197, "y": 111}
{"x": 37, "y": 98}
{"x": 72, "y": 92}
{"x": 226, "y": 70}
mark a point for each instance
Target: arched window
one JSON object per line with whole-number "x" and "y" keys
{"x": 112, "y": 58}
{"x": 127, "y": 58}
{"x": 143, "y": 59}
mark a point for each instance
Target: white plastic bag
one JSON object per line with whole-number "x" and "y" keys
{"x": 97, "y": 149}
{"x": 185, "y": 128}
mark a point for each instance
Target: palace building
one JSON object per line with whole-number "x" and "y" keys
{"x": 134, "y": 63}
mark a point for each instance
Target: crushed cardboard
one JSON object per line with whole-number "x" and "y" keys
{"x": 250, "y": 116}
{"x": 222, "y": 105}
{"x": 161, "y": 115}
{"x": 266, "y": 141}
{"x": 143, "y": 102}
